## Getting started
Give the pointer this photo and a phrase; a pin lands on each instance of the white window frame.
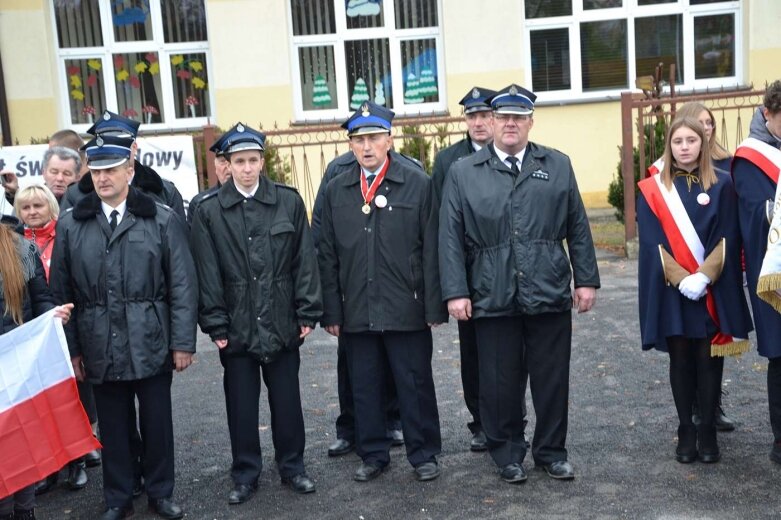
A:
(338, 39)
(110, 47)
(629, 12)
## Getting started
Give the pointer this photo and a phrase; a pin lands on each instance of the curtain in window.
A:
(411, 14)
(78, 23)
(86, 96)
(318, 77)
(183, 21)
(137, 79)
(313, 17)
(368, 72)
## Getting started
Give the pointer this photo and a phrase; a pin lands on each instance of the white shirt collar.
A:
(503, 156)
(248, 194)
(476, 147)
(108, 209)
(367, 173)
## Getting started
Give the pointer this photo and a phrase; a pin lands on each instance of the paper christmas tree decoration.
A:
(428, 84)
(412, 92)
(320, 95)
(360, 94)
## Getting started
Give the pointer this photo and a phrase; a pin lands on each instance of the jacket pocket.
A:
(285, 324)
(551, 274)
(282, 242)
(416, 277)
(491, 281)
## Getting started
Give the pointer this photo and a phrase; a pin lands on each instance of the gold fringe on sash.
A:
(767, 288)
(734, 348)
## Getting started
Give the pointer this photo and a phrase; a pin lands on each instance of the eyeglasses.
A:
(516, 118)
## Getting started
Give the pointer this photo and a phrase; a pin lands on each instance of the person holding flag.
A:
(690, 288)
(24, 294)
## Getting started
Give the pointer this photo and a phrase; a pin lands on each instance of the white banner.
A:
(171, 156)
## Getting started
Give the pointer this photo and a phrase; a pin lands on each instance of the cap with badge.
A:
(107, 151)
(513, 100)
(241, 138)
(218, 146)
(370, 118)
(477, 100)
(113, 124)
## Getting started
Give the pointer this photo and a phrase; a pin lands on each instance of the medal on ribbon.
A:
(368, 193)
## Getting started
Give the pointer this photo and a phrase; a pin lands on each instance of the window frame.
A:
(111, 47)
(631, 11)
(341, 35)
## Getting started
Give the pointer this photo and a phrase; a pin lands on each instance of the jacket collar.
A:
(138, 204)
(230, 196)
(393, 174)
(144, 178)
(44, 232)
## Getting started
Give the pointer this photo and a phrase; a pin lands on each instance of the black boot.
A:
(686, 452)
(722, 422)
(77, 474)
(46, 485)
(27, 514)
(708, 445)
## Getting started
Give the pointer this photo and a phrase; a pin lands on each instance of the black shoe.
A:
(686, 452)
(775, 452)
(138, 486)
(367, 472)
(18, 514)
(340, 447)
(117, 513)
(77, 475)
(479, 442)
(427, 471)
(513, 473)
(722, 422)
(166, 508)
(92, 459)
(560, 470)
(708, 444)
(300, 483)
(46, 485)
(241, 493)
(396, 437)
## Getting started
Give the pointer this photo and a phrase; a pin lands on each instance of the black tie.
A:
(370, 180)
(113, 220)
(513, 160)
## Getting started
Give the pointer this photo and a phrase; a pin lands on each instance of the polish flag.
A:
(42, 423)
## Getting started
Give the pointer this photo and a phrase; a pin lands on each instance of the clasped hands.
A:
(694, 286)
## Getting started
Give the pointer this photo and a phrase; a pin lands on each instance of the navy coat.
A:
(664, 311)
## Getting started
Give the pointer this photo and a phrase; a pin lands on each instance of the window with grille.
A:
(144, 59)
(596, 48)
(345, 52)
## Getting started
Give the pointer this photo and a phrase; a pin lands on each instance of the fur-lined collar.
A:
(144, 178)
(138, 204)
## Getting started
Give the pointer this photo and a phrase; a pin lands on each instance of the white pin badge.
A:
(380, 201)
(703, 199)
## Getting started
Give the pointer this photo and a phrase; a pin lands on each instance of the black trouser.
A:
(22, 500)
(241, 382)
(694, 374)
(345, 423)
(470, 375)
(407, 356)
(541, 343)
(774, 396)
(87, 399)
(113, 399)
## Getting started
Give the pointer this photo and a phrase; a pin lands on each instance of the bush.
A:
(277, 168)
(615, 191)
(415, 145)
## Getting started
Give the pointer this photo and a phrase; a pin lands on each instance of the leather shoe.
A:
(46, 485)
(138, 486)
(560, 470)
(396, 437)
(77, 475)
(166, 508)
(513, 473)
(427, 471)
(117, 513)
(300, 483)
(241, 493)
(367, 472)
(340, 447)
(92, 459)
(479, 442)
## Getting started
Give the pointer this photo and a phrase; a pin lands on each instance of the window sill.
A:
(339, 120)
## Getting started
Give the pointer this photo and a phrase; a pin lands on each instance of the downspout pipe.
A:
(5, 123)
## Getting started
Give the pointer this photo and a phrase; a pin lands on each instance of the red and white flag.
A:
(43, 425)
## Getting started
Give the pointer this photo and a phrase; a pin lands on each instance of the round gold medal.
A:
(366, 209)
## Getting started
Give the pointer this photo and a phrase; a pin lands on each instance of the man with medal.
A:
(506, 211)
(381, 294)
(755, 171)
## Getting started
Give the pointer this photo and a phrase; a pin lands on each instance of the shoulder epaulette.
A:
(281, 185)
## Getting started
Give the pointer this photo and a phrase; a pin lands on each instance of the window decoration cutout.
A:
(85, 89)
(321, 96)
(412, 93)
(362, 7)
(360, 94)
(189, 78)
(379, 94)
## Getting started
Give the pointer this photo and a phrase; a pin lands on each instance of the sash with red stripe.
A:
(655, 168)
(686, 248)
(762, 155)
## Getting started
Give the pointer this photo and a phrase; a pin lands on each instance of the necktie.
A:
(370, 180)
(513, 160)
(113, 220)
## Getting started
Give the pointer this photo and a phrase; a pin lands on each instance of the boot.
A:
(708, 445)
(77, 474)
(686, 452)
(27, 514)
(46, 485)
(722, 422)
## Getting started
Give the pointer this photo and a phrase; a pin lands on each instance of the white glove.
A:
(694, 286)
